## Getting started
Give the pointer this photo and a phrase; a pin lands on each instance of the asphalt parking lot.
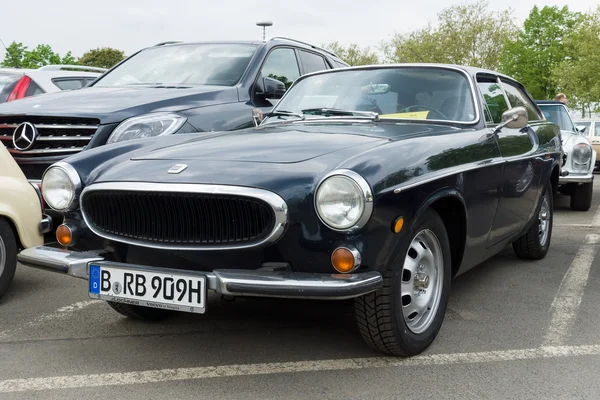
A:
(514, 329)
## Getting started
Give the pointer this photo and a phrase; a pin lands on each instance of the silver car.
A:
(577, 174)
(17, 83)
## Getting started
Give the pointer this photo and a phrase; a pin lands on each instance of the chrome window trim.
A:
(75, 180)
(278, 205)
(402, 66)
(367, 193)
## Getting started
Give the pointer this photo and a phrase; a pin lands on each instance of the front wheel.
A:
(8, 256)
(404, 317)
(534, 244)
(581, 198)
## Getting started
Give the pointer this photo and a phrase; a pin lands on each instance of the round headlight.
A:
(344, 201)
(582, 153)
(60, 186)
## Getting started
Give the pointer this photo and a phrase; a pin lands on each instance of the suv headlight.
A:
(61, 186)
(149, 125)
(344, 200)
(581, 155)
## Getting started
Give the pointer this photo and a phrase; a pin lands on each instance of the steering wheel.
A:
(425, 107)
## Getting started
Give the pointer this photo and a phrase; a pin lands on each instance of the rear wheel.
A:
(534, 244)
(581, 198)
(140, 312)
(8, 256)
(404, 317)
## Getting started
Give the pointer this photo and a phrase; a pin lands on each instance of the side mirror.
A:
(273, 89)
(581, 129)
(514, 118)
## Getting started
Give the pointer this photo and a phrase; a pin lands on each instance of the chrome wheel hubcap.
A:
(544, 221)
(422, 277)
(2, 256)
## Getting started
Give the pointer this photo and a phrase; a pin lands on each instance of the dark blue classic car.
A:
(377, 184)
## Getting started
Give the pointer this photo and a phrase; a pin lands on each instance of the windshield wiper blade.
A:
(284, 113)
(336, 111)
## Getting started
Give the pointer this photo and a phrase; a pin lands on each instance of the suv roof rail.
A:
(307, 44)
(58, 67)
(167, 42)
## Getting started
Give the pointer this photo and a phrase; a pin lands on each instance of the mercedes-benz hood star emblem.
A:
(24, 136)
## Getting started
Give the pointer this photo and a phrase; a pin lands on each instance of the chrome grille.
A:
(57, 136)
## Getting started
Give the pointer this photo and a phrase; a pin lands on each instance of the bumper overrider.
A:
(232, 282)
(573, 177)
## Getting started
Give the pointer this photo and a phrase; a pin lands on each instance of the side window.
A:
(312, 62)
(494, 99)
(68, 84)
(281, 64)
(33, 89)
(516, 97)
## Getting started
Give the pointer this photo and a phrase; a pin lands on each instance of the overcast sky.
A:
(133, 24)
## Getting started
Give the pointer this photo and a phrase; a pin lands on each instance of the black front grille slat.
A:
(181, 219)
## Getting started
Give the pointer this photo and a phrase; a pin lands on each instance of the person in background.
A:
(561, 97)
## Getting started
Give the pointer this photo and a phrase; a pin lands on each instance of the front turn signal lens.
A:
(398, 225)
(64, 235)
(345, 260)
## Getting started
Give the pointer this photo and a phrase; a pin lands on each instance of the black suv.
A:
(172, 87)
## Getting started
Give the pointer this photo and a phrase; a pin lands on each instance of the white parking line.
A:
(178, 374)
(570, 292)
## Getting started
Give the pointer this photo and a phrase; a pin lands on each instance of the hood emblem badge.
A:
(177, 168)
(24, 136)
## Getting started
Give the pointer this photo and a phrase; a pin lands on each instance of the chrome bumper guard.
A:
(232, 282)
(573, 178)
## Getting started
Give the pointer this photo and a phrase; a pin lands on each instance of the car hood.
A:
(112, 105)
(569, 139)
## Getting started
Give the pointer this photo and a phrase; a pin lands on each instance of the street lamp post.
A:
(264, 25)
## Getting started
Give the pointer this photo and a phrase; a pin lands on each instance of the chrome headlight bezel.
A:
(176, 122)
(72, 180)
(363, 191)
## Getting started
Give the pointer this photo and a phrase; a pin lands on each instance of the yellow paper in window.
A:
(407, 115)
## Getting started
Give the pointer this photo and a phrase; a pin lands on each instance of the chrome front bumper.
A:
(232, 282)
(576, 178)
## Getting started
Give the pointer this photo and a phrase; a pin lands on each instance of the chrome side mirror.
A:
(514, 118)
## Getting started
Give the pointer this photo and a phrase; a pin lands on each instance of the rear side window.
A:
(494, 99)
(33, 89)
(312, 62)
(68, 84)
(518, 98)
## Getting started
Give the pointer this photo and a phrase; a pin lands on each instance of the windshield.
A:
(558, 114)
(421, 93)
(182, 65)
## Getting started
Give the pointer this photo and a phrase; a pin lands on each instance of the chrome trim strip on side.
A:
(234, 282)
(278, 205)
(62, 138)
(448, 172)
(47, 151)
(73, 177)
(367, 196)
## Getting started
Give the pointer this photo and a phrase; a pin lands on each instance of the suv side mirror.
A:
(272, 88)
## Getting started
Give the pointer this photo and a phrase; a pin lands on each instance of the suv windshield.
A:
(421, 93)
(182, 65)
(558, 114)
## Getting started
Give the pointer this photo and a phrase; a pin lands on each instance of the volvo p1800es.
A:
(377, 184)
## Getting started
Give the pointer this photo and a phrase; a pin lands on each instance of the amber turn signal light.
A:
(64, 235)
(345, 260)
(398, 224)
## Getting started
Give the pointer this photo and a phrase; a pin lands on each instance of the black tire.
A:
(379, 315)
(140, 312)
(581, 198)
(530, 246)
(8, 256)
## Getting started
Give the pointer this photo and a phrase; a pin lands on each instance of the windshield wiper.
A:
(336, 111)
(284, 113)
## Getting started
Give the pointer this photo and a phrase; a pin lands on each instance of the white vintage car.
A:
(577, 172)
(20, 216)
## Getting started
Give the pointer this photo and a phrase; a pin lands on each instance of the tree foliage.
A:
(353, 54)
(467, 34)
(578, 74)
(18, 56)
(539, 48)
(105, 57)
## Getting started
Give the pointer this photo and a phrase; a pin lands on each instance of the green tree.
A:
(104, 57)
(353, 54)
(466, 34)
(18, 56)
(577, 75)
(539, 48)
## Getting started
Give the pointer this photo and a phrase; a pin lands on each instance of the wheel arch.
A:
(450, 205)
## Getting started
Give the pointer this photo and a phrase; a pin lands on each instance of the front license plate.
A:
(178, 291)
